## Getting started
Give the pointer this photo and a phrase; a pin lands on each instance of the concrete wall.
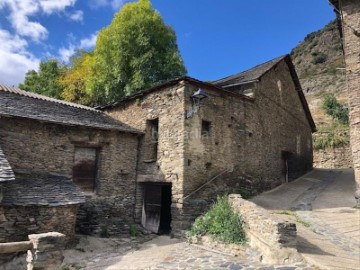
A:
(39, 147)
(350, 15)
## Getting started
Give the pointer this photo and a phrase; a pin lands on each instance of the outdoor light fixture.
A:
(196, 98)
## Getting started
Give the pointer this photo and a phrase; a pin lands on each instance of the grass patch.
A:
(357, 206)
(331, 136)
(295, 215)
(133, 230)
(104, 232)
(220, 222)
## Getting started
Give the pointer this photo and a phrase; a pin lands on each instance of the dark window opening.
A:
(85, 168)
(205, 128)
(153, 139)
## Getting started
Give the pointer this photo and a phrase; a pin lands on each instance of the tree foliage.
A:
(335, 109)
(74, 79)
(136, 51)
(46, 80)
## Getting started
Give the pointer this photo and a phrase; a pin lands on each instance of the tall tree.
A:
(74, 79)
(136, 51)
(46, 80)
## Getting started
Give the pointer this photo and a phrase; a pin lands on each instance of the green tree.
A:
(74, 79)
(46, 80)
(335, 109)
(136, 51)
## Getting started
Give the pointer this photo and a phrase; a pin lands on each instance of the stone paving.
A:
(172, 254)
(191, 257)
(328, 233)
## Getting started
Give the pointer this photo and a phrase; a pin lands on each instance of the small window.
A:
(205, 128)
(85, 168)
(152, 139)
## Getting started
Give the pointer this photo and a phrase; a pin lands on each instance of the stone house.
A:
(47, 142)
(348, 12)
(159, 157)
(249, 131)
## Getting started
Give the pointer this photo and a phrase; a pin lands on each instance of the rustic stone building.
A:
(47, 142)
(252, 131)
(348, 14)
(159, 157)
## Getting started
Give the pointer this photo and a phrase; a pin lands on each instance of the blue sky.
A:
(216, 38)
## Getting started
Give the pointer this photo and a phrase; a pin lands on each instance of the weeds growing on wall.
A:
(331, 136)
(220, 222)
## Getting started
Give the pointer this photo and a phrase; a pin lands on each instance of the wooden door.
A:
(152, 208)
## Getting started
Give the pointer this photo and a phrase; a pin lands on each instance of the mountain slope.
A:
(319, 63)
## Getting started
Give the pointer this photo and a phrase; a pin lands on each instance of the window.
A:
(205, 128)
(85, 168)
(152, 139)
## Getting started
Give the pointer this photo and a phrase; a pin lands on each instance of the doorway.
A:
(156, 213)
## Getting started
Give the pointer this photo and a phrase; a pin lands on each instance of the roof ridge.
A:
(24, 93)
(277, 59)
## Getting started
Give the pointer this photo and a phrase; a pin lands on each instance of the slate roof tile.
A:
(18, 103)
(44, 190)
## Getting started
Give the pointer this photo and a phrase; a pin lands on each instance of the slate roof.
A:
(254, 74)
(170, 83)
(250, 75)
(18, 103)
(6, 172)
(41, 190)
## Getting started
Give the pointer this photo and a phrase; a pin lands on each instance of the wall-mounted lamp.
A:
(196, 98)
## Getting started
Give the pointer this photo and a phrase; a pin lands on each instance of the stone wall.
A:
(49, 148)
(333, 158)
(17, 222)
(275, 240)
(350, 16)
(246, 141)
(168, 107)
(242, 147)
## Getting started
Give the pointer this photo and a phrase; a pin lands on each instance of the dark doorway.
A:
(156, 216)
(85, 168)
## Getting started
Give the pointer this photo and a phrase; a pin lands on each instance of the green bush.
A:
(104, 233)
(220, 222)
(336, 110)
(319, 58)
(133, 230)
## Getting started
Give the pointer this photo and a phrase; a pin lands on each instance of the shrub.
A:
(319, 58)
(220, 222)
(104, 233)
(133, 230)
(331, 136)
(336, 110)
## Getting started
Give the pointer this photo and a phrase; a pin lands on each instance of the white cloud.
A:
(89, 42)
(15, 59)
(77, 16)
(22, 13)
(51, 6)
(115, 4)
(86, 43)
